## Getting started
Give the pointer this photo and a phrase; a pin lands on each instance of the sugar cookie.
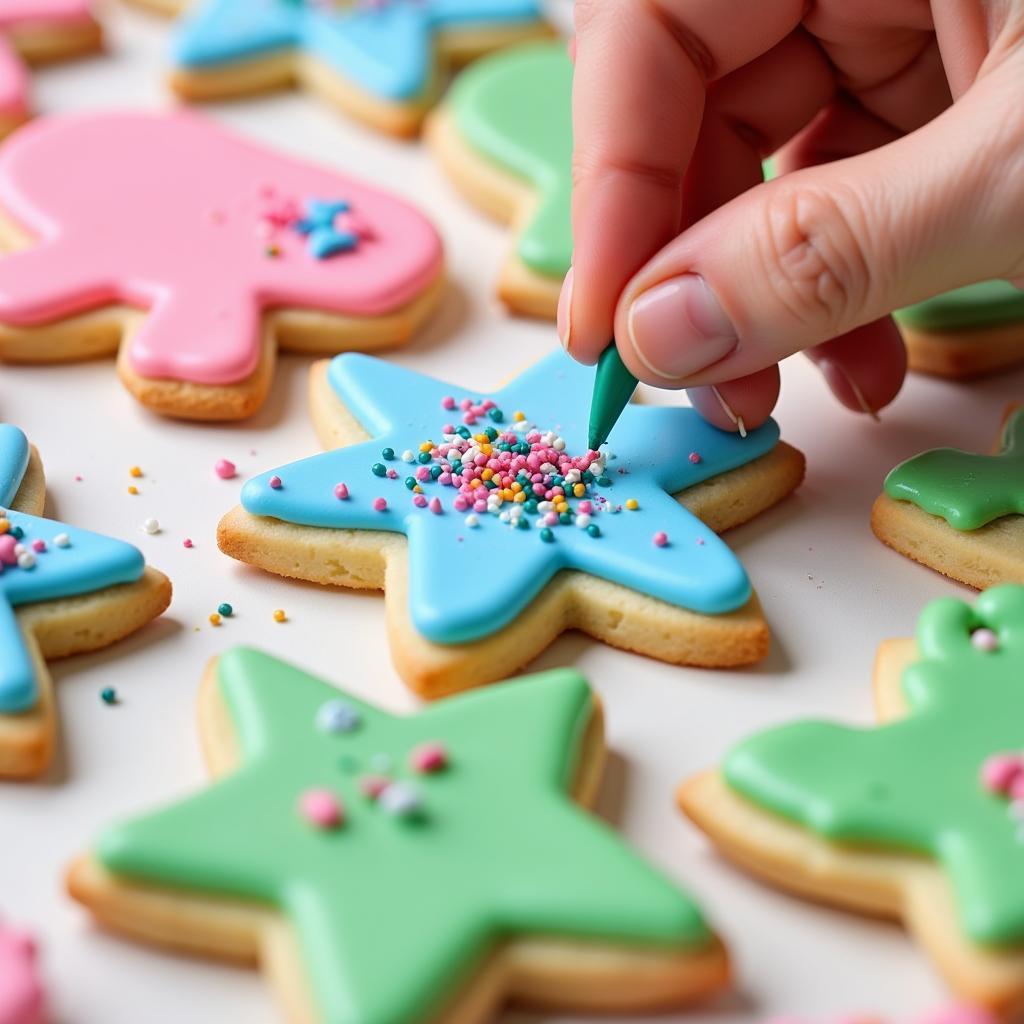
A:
(383, 62)
(504, 136)
(967, 332)
(196, 254)
(484, 567)
(385, 869)
(34, 32)
(62, 591)
(959, 513)
(917, 819)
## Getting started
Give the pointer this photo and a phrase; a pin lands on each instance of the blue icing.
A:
(324, 239)
(90, 562)
(454, 596)
(387, 50)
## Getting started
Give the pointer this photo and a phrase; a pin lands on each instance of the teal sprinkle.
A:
(435, 472)
(17, 532)
(379, 469)
(547, 535)
(565, 518)
(523, 523)
(490, 485)
(226, 610)
(463, 432)
(423, 458)
(497, 415)
(108, 695)
(491, 434)
(504, 447)
(387, 454)
(594, 530)
(410, 482)
(557, 481)
(587, 477)
(530, 506)
(604, 481)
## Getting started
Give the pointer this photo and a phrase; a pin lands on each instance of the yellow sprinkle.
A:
(518, 416)
(214, 619)
(507, 493)
(579, 490)
(632, 504)
(486, 449)
(132, 489)
(487, 474)
(476, 483)
(481, 438)
(5, 525)
(135, 471)
(562, 506)
(279, 615)
(426, 446)
(417, 489)
(521, 496)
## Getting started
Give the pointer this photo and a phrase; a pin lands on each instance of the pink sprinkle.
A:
(435, 506)
(469, 419)
(275, 482)
(660, 539)
(39, 545)
(320, 807)
(78, 478)
(187, 542)
(586, 506)
(700, 542)
(373, 785)
(448, 403)
(422, 474)
(225, 469)
(1002, 771)
(420, 500)
(428, 757)
(461, 504)
(984, 639)
(392, 474)
(7, 546)
(695, 457)
(341, 492)
(379, 504)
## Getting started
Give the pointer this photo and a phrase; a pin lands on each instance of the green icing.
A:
(913, 785)
(392, 914)
(967, 490)
(986, 304)
(515, 108)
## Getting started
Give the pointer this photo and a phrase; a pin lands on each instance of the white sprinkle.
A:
(504, 516)
(583, 520)
(400, 799)
(546, 506)
(407, 456)
(548, 468)
(559, 444)
(26, 560)
(472, 521)
(20, 549)
(151, 526)
(337, 716)
(573, 476)
(62, 540)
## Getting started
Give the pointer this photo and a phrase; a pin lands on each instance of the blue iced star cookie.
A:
(43, 560)
(384, 48)
(477, 564)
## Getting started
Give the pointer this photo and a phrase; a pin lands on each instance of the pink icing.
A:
(13, 82)
(14, 13)
(169, 213)
(21, 993)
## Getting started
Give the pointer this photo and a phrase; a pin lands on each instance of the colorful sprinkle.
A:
(132, 489)
(186, 543)
(62, 540)
(151, 526)
(39, 546)
(321, 808)
(279, 615)
(660, 539)
(695, 457)
(135, 471)
(371, 786)
(214, 619)
(428, 758)
(387, 454)
(984, 640)
(632, 504)
(400, 799)
(341, 492)
(408, 456)
(275, 483)
(379, 505)
(1001, 772)
(378, 469)
(472, 521)
(225, 609)
(108, 695)
(225, 469)
(435, 506)
(338, 716)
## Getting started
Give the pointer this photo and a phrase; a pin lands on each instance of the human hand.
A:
(890, 191)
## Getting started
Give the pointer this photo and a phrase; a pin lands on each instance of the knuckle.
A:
(815, 256)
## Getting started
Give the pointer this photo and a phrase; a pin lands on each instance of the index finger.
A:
(642, 67)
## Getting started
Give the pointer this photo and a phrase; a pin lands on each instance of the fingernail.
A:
(737, 421)
(679, 328)
(565, 312)
(831, 368)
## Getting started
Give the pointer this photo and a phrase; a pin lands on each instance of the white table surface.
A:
(831, 591)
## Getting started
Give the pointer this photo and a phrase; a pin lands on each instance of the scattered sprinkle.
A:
(321, 808)
(279, 615)
(400, 799)
(214, 619)
(408, 456)
(132, 489)
(660, 539)
(695, 457)
(379, 505)
(341, 492)
(472, 521)
(225, 609)
(39, 546)
(187, 543)
(275, 482)
(378, 469)
(632, 504)
(428, 758)
(371, 786)
(62, 540)
(151, 526)
(225, 469)
(387, 454)
(135, 471)
(984, 639)
(108, 695)
(338, 716)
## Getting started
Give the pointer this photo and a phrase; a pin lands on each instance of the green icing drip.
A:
(914, 785)
(967, 490)
(515, 108)
(986, 304)
(391, 914)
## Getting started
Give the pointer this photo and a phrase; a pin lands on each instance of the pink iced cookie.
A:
(229, 248)
(21, 992)
(38, 30)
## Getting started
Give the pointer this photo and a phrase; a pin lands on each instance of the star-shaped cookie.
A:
(35, 32)
(504, 136)
(903, 820)
(477, 587)
(381, 61)
(63, 591)
(197, 290)
(960, 513)
(387, 869)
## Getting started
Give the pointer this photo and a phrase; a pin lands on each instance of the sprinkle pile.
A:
(524, 476)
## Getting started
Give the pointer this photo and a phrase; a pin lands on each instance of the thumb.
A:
(822, 251)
